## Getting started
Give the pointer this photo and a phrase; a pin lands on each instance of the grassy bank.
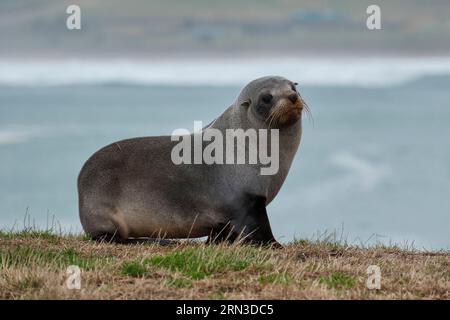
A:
(33, 266)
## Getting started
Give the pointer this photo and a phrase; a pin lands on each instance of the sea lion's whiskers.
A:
(307, 111)
(270, 119)
(283, 111)
(276, 114)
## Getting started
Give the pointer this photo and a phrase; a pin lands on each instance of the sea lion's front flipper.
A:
(251, 223)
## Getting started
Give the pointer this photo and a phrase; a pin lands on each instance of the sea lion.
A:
(132, 189)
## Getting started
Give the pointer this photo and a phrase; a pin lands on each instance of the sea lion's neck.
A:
(236, 117)
(232, 118)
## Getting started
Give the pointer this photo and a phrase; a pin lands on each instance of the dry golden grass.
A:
(33, 266)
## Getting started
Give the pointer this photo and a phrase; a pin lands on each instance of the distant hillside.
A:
(170, 27)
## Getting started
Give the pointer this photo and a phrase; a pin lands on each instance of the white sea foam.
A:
(356, 174)
(364, 173)
(15, 134)
(13, 137)
(365, 72)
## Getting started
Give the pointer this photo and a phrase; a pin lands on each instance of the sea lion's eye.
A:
(267, 98)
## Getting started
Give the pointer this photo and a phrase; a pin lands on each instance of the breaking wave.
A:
(361, 72)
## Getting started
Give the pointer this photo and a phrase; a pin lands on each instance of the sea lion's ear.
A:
(246, 103)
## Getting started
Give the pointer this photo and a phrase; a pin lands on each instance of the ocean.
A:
(373, 165)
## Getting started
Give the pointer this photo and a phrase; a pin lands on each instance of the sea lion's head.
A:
(274, 100)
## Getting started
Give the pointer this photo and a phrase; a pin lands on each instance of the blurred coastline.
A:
(143, 30)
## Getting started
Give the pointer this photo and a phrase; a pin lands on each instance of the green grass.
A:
(31, 233)
(334, 240)
(300, 242)
(179, 283)
(34, 267)
(28, 256)
(338, 280)
(199, 263)
(134, 269)
(48, 235)
(276, 278)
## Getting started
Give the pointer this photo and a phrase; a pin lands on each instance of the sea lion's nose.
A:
(293, 97)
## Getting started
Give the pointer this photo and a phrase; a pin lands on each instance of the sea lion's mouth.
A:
(286, 113)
